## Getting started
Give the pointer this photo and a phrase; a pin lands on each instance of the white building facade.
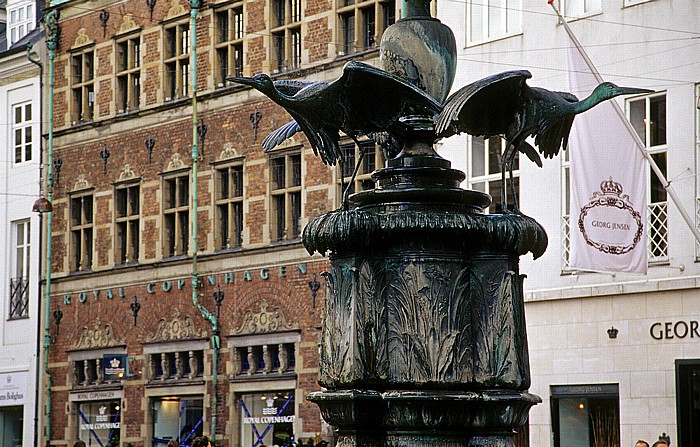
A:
(20, 133)
(615, 357)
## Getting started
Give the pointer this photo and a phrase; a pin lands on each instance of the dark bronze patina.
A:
(424, 340)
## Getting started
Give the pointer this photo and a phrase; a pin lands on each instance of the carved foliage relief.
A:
(264, 321)
(415, 321)
(98, 337)
(177, 328)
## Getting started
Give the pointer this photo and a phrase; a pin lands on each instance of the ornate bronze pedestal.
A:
(424, 338)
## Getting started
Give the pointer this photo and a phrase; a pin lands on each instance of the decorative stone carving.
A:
(152, 368)
(252, 362)
(179, 366)
(228, 152)
(81, 183)
(99, 371)
(82, 38)
(164, 366)
(264, 322)
(127, 23)
(175, 163)
(97, 337)
(176, 9)
(283, 358)
(267, 360)
(194, 365)
(237, 362)
(86, 372)
(179, 328)
(127, 173)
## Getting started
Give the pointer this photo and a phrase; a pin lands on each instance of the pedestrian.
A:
(201, 441)
(639, 443)
(173, 443)
(660, 443)
(79, 443)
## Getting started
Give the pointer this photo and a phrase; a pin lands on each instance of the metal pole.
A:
(215, 342)
(640, 144)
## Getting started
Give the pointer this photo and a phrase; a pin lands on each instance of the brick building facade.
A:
(122, 219)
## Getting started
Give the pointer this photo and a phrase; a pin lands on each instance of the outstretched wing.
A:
(279, 135)
(372, 100)
(554, 133)
(485, 107)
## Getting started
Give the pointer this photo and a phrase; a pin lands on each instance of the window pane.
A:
(496, 13)
(476, 21)
(478, 157)
(637, 118)
(658, 193)
(657, 126)
(495, 156)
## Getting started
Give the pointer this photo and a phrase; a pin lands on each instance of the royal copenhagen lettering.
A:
(268, 420)
(168, 285)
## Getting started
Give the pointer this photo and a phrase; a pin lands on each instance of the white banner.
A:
(608, 222)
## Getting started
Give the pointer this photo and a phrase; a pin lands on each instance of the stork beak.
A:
(242, 80)
(632, 91)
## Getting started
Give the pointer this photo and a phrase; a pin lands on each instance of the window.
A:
(277, 406)
(285, 197)
(286, 34)
(178, 418)
(83, 86)
(81, 229)
(648, 117)
(229, 43)
(492, 19)
(635, 2)
(176, 213)
(22, 132)
(485, 169)
(177, 61)
(99, 422)
(128, 74)
(565, 210)
(13, 422)
(127, 213)
(19, 282)
(229, 207)
(371, 18)
(175, 366)
(585, 415)
(263, 360)
(579, 8)
(21, 21)
(373, 159)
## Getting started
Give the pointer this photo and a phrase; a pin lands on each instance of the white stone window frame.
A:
(253, 340)
(26, 127)
(173, 347)
(21, 269)
(355, 13)
(576, 9)
(508, 20)
(92, 355)
(21, 19)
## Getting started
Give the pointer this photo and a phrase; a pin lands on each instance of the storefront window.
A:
(177, 418)
(99, 423)
(11, 423)
(586, 415)
(267, 418)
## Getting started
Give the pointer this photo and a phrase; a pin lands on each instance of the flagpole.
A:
(640, 144)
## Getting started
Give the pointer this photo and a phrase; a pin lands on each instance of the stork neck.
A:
(588, 103)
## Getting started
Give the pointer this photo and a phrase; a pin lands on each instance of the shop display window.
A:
(267, 419)
(99, 423)
(179, 418)
(586, 415)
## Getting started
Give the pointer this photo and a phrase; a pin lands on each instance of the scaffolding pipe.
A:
(215, 341)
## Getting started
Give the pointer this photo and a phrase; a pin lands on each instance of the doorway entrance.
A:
(688, 402)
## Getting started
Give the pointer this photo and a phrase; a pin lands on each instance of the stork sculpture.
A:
(503, 104)
(322, 110)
